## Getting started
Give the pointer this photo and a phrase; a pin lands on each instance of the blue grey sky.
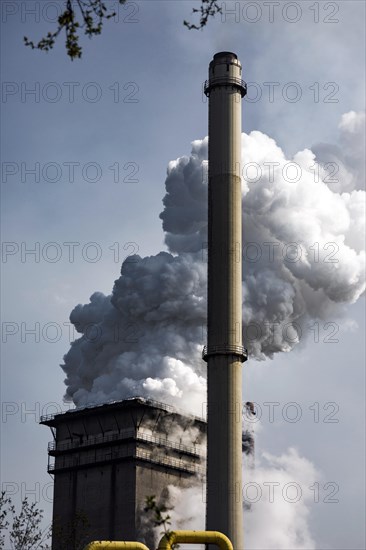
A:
(138, 104)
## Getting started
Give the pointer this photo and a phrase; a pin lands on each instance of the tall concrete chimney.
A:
(224, 352)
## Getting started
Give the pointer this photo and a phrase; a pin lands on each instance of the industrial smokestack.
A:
(224, 352)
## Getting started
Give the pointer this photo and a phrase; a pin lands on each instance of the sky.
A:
(99, 134)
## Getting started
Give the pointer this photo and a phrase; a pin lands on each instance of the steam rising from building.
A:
(304, 260)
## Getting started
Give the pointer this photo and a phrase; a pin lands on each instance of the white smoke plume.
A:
(304, 260)
(145, 338)
(277, 491)
(349, 156)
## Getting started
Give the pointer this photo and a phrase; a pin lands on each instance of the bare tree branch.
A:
(208, 8)
(92, 14)
(89, 16)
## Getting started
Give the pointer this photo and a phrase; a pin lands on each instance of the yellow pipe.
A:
(115, 545)
(195, 537)
(166, 543)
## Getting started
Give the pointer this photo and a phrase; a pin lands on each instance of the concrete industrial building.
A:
(106, 459)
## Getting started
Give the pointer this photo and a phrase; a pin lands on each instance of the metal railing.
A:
(225, 81)
(63, 463)
(142, 400)
(127, 434)
(172, 462)
(225, 349)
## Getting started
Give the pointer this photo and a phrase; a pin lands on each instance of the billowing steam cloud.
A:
(304, 259)
(277, 491)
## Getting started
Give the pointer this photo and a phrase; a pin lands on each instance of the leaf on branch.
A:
(208, 8)
(90, 15)
(84, 14)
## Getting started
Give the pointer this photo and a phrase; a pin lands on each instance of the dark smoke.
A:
(304, 258)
